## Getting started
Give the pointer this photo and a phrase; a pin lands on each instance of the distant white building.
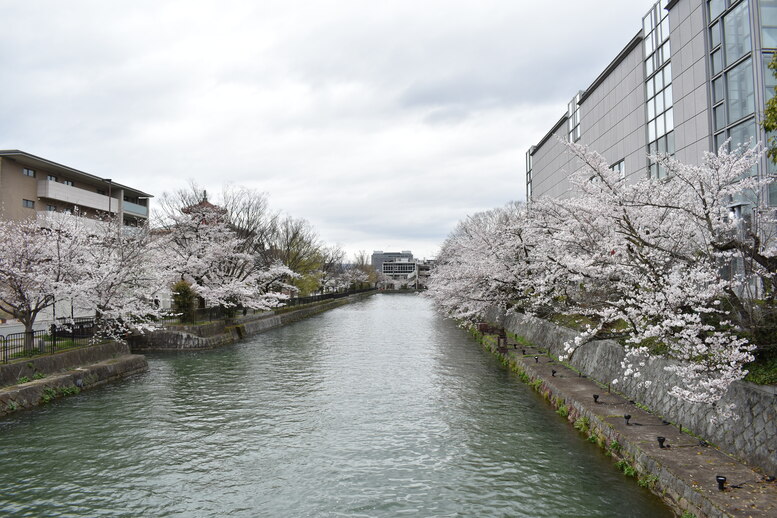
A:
(404, 272)
(379, 257)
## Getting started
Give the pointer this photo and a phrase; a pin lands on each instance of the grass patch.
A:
(582, 425)
(763, 371)
(647, 481)
(626, 468)
(578, 322)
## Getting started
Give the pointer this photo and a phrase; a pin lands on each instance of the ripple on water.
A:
(379, 408)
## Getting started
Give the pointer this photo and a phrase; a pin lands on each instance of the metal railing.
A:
(58, 337)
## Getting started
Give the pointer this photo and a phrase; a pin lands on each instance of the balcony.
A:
(134, 209)
(74, 195)
(93, 226)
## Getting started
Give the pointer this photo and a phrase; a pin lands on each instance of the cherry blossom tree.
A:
(202, 249)
(124, 279)
(39, 261)
(671, 267)
(484, 263)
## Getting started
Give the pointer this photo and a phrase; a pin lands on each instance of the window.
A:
(768, 24)
(573, 118)
(620, 168)
(28, 172)
(67, 182)
(716, 7)
(51, 208)
(659, 111)
(740, 91)
(51, 178)
(736, 33)
(28, 204)
(733, 86)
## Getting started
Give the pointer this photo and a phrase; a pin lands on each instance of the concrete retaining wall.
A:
(182, 338)
(65, 373)
(10, 373)
(752, 438)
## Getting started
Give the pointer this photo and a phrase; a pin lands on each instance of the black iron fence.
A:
(57, 337)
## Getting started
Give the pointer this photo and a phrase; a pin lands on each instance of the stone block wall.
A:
(752, 437)
(10, 373)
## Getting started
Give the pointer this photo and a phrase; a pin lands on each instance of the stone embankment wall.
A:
(180, 338)
(752, 437)
(64, 374)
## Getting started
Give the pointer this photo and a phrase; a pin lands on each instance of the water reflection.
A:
(378, 408)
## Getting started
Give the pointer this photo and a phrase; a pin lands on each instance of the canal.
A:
(378, 408)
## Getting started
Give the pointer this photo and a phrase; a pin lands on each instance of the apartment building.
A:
(694, 75)
(31, 187)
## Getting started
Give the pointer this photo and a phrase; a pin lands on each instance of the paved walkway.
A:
(685, 469)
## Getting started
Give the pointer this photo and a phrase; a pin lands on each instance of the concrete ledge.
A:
(42, 391)
(27, 367)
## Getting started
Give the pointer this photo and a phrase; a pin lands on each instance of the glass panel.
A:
(649, 67)
(651, 109)
(668, 96)
(768, 24)
(719, 114)
(770, 81)
(646, 26)
(661, 145)
(772, 194)
(659, 103)
(652, 148)
(650, 90)
(660, 130)
(771, 167)
(659, 80)
(669, 119)
(670, 142)
(740, 93)
(668, 74)
(664, 34)
(651, 130)
(715, 35)
(717, 62)
(649, 48)
(742, 133)
(736, 33)
(654, 170)
(769, 37)
(666, 52)
(720, 138)
(717, 90)
(716, 7)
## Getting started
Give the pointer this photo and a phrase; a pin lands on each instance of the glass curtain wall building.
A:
(693, 76)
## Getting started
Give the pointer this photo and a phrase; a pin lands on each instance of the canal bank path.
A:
(683, 472)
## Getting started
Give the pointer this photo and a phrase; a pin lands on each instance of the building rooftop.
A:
(38, 162)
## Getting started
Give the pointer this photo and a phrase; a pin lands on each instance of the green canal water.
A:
(379, 408)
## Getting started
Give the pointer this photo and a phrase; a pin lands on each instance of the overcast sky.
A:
(382, 122)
